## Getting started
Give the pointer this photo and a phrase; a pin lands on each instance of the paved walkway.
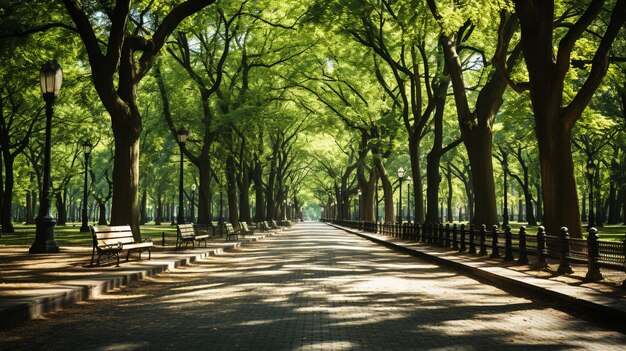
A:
(311, 288)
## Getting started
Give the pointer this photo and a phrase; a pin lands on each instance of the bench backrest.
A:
(229, 228)
(274, 224)
(185, 231)
(110, 235)
(244, 226)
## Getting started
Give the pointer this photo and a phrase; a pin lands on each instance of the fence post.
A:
(441, 235)
(418, 232)
(455, 242)
(463, 247)
(447, 235)
(495, 250)
(523, 255)
(541, 249)
(483, 239)
(593, 255)
(472, 245)
(508, 245)
(624, 247)
(430, 233)
(564, 266)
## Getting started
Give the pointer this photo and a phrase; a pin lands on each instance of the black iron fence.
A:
(505, 245)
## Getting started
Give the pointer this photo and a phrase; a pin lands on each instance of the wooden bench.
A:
(243, 227)
(186, 233)
(111, 240)
(231, 232)
(274, 225)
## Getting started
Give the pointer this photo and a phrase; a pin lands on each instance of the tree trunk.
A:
(231, 189)
(416, 174)
(613, 210)
(205, 193)
(257, 177)
(125, 207)
(559, 191)
(102, 216)
(449, 179)
(159, 210)
(30, 208)
(244, 196)
(478, 143)
(7, 198)
(433, 160)
(143, 207)
(390, 216)
(61, 209)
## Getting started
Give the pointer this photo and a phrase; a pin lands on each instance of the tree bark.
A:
(7, 195)
(159, 210)
(61, 209)
(231, 190)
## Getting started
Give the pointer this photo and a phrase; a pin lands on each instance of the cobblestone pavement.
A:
(312, 288)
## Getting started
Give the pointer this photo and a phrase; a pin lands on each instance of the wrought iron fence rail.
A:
(593, 252)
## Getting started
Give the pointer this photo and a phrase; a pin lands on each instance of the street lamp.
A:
(193, 196)
(408, 198)
(51, 78)
(87, 150)
(591, 170)
(505, 215)
(181, 137)
(285, 210)
(400, 178)
(360, 202)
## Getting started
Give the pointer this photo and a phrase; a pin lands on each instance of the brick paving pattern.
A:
(311, 288)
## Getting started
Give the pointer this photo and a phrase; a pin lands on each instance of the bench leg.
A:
(128, 255)
(149, 254)
(93, 252)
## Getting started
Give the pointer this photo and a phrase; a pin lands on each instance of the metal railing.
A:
(505, 244)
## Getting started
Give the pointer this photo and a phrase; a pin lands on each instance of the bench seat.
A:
(111, 240)
(186, 233)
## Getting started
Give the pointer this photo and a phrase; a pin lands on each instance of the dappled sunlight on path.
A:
(311, 288)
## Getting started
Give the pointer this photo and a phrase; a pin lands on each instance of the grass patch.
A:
(70, 235)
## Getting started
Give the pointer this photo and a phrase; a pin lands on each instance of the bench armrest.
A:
(117, 246)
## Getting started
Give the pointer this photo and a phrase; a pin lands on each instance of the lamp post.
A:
(408, 198)
(87, 150)
(181, 137)
(376, 200)
(591, 170)
(400, 178)
(360, 202)
(193, 196)
(51, 78)
(172, 210)
(505, 215)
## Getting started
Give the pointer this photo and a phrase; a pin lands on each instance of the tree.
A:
(118, 63)
(556, 114)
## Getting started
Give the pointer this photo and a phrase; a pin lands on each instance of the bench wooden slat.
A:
(187, 233)
(111, 240)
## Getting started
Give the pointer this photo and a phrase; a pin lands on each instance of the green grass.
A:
(69, 235)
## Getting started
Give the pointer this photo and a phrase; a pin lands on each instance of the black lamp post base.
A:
(44, 237)
(44, 247)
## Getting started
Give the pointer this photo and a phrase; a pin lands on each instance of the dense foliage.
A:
(303, 109)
